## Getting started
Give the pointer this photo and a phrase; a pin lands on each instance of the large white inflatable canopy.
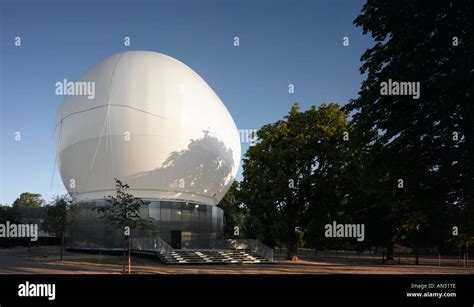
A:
(155, 124)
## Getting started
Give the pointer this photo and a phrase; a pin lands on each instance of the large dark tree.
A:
(426, 142)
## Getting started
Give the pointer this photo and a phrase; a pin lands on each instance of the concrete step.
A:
(214, 257)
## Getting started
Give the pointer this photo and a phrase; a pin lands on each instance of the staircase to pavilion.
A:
(228, 252)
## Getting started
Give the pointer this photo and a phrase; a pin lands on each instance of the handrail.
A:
(264, 251)
(254, 245)
(155, 244)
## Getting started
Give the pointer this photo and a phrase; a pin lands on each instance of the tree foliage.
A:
(293, 172)
(10, 214)
(123, 209)
(234, 214)
(58, 215)
(427, 142)
(29, 199)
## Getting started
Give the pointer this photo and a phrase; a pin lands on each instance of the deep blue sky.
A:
(281, 42)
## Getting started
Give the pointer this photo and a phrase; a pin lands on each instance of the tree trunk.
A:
(124, 255)
(389, 251)
(291, 251)
(62, 244)
(129, 255)
(291, 246)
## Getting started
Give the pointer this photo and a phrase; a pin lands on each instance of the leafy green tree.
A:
(287, 173)
(427, 142)
(123, 211)
(330, 177)
(29, 199)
